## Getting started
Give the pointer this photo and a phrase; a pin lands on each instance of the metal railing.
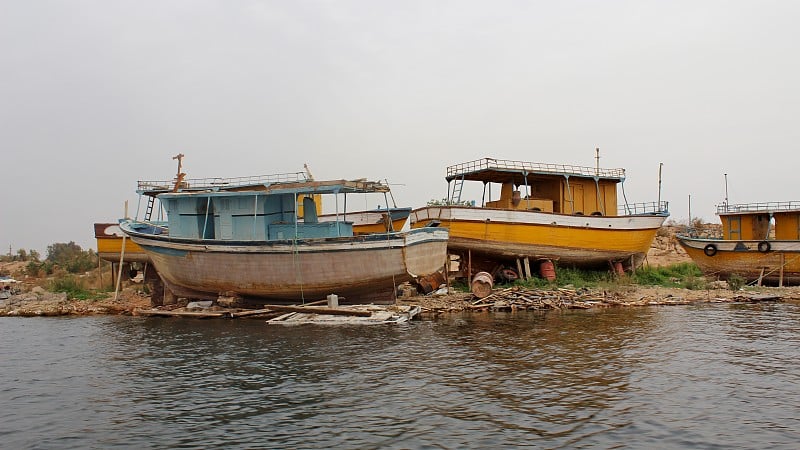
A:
(531, 167)
(765, 207)
(645, 208)
(221, 183)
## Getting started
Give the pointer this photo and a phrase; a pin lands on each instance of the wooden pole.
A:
(100, 271)
(469, 265)
(318, 310)
(783, 263)
(519, 269)
(121, 257)
(527, 264)
(119, 274)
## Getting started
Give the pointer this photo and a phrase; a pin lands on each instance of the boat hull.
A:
(360, 269)
(780, 263)
(583, 241)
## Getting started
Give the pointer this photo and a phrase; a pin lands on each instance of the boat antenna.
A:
(597, 160)
(180, 175)
(308, 172)
(726, 191)
(660, 165)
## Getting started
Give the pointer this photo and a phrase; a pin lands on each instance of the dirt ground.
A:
(33, 300)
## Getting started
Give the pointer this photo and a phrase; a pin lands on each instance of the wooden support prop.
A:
(469, 264)
(519, 270)
(783, 263)
(527, 265)
(761, 276)
(319, 310)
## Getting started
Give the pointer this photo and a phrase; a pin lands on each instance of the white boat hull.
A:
(358, 268)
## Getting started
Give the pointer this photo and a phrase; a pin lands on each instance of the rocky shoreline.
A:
(39, 303)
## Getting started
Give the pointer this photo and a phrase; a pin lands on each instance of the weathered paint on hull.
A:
(743, 258)
(575, 240)
(355, 268)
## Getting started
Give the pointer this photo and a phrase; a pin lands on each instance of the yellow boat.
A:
(760, 242)
(544, 212)
(110, 243)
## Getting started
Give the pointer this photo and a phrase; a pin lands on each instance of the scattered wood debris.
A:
(519, 298)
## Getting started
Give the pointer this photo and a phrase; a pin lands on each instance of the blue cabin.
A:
(261, 212)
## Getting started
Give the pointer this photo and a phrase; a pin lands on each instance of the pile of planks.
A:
(518, 298)
(515, 298)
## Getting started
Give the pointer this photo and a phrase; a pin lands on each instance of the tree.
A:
(71, 257)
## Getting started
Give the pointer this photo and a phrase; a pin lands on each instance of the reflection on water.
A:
(706, 376)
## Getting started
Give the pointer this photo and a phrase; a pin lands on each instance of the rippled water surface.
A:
(714, 376)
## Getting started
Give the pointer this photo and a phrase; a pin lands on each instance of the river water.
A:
(710, 376)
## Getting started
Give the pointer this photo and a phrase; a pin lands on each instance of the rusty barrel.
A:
(547, 270)
(482, 284)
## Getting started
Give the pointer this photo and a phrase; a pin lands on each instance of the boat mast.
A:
(658, 205)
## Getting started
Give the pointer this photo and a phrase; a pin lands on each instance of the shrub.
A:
(735, 281)
(686, 275)
(71, 285)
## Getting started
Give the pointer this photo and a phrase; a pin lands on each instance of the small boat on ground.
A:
(760, 242)
(260, 239)
(544, 212)
(374, 221)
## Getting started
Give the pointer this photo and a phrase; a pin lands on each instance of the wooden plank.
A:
(527, 266)
(519, 270)
(199, 315)
(252, 312)
(318, 310)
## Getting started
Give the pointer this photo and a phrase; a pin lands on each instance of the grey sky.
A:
(97, 94)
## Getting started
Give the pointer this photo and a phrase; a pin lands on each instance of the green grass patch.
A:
(74, 287)
(683, 275)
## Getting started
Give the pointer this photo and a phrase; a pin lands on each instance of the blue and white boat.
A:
(260, 238)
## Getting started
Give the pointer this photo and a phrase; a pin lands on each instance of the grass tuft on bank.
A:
(74, 287)
(682, 275)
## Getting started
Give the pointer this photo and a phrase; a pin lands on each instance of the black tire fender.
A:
(710, 250)
(764, 247)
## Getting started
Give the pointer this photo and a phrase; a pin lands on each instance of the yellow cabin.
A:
(541, 187)
(760, 221)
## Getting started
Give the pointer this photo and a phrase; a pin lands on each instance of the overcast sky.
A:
(97, 94)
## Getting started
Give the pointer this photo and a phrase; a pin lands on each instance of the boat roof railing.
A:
(759, 207)
(481, 169)
(203, 184)
(358, 186)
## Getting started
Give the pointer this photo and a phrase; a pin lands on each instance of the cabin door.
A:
(577, 197)
(734, 228)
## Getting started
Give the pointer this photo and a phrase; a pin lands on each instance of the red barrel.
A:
(547, 270)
